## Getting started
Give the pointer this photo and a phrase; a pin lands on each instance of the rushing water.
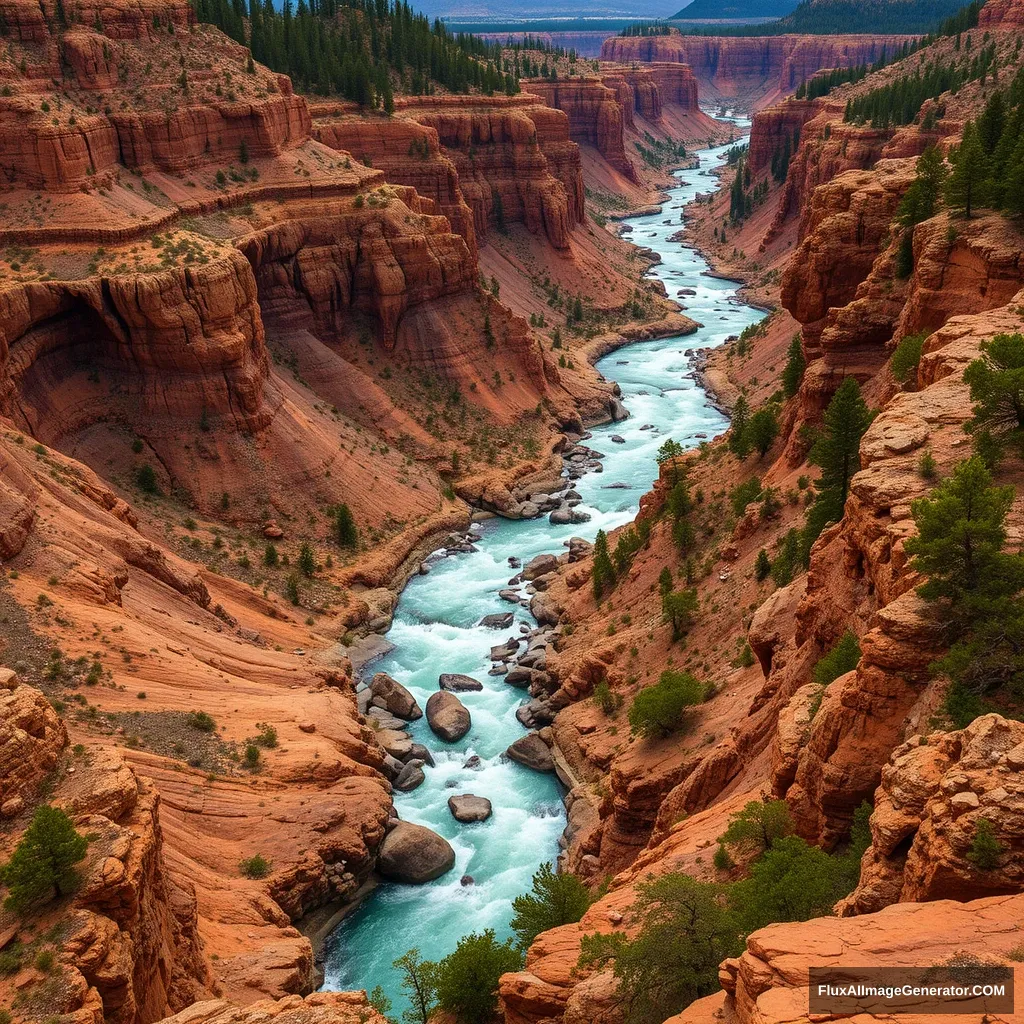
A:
(435, 631)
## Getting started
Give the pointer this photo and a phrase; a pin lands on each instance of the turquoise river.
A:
(435, 631)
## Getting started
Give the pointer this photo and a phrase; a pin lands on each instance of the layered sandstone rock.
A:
(768, 983)
(319, 1008)
(934, 792)
(595, 116)
(132, 950)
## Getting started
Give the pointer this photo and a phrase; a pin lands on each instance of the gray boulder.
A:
(468, 808)
(538, 566)
(411, 853)
(456, 682)
(499, 620)
(410, 776)
(447, 716)
(530, 750)
(393, 697)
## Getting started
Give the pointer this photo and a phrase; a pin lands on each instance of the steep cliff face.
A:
(749, 69)
(130, 945)
(515, 163)
(595, 116)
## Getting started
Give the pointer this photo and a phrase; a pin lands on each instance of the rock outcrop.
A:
(934, 792)
(595, 116)
(768, 983)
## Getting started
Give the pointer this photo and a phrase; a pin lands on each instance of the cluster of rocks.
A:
(554, 498)
(455, 544)
(389, 707)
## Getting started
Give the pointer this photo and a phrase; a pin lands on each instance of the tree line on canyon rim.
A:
(364, 49)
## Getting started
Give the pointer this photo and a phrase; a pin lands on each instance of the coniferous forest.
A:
(361, 49)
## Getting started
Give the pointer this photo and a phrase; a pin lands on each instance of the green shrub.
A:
(253, 757)
(45, 959)
(926, 467)
(721, 860)
(256, 866)
(267, 735)
(603, 697)
(985, 848)
(906, 356)
(146, 480)
(762, 566)
(658, 710)
(743, 494)
(841, 659)
(202, 721)
(345, 532)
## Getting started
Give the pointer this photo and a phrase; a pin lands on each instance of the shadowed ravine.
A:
(435, 631)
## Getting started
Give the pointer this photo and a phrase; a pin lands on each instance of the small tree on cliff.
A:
(557, 898)
(793, 373)
(959, 549)
(965, 187)
(996, 380)
(658, 710)
(467, 979)
(685, 931)
(762, 430)
(602, 571)
(739, 443)
(758, 827)
(345, 532)
(837, 449)
(419, 982)
(42, 865)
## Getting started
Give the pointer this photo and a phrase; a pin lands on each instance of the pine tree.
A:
(762, 429)
(345, 532)
(602, 570)
(739, 443)
(965, 187)
(42, 865)
(837, 449)
(793, 373)
(763, 565)
(996, 381)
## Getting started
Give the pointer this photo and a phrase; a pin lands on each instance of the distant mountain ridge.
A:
(826, 17)
(712, 10)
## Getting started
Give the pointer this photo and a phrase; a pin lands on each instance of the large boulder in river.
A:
(393, 697)
(456, 682)
(447, 716)
(468, 808)
(539, 566)
(414, 854)
(530, 750)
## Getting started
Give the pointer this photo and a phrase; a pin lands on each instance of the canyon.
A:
(752, 71)
(229, 311)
